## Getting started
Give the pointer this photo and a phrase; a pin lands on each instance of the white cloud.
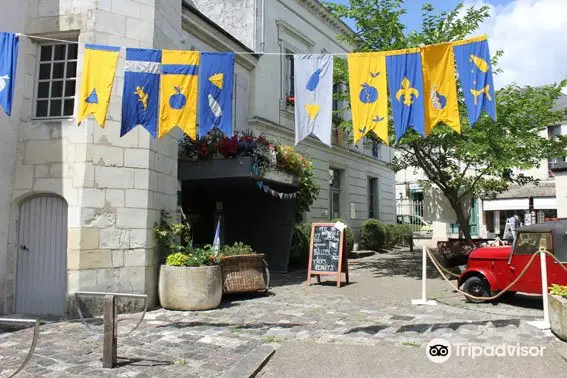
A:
(533, 36)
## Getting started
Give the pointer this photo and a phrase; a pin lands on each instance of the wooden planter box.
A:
(245, 273)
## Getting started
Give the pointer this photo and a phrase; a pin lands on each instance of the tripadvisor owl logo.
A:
(438, 350)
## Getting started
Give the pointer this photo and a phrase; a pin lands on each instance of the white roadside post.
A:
(423, 300)
(543, 324)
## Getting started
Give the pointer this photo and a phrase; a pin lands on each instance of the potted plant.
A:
(558, 310)
(243, 269)
(191, 278)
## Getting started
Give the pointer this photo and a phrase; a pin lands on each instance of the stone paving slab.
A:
(374, 309)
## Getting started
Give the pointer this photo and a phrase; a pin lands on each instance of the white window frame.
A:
(64, 79)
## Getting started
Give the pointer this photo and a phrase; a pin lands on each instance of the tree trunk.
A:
(462, 218)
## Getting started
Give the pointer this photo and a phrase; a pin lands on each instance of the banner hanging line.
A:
(166, 89)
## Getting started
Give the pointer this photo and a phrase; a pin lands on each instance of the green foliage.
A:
(299, 256)
(392, 237)
(481, 161)
(175, 244)
(177, 259)
(397, 234)
(558, 290)
(372, 235)
(293, 162)
(238, 248)
(349, 233)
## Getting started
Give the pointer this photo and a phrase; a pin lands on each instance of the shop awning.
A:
(506, 204)
(545, 203)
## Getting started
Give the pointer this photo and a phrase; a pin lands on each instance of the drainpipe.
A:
(263, 30)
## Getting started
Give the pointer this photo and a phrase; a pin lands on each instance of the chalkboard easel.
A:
(326, 253)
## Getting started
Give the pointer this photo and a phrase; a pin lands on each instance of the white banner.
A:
(313, 97)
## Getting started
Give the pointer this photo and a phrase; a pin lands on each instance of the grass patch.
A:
(411, 344)
(272, 339)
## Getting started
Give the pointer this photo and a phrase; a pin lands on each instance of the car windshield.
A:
(530, 242)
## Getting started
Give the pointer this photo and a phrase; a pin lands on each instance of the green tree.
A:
(480, 161)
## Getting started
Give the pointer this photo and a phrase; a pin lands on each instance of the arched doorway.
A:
(41, 271)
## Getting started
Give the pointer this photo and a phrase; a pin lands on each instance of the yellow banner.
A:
(96, 83)
(178, 94)
(368, 94)
(440, 87)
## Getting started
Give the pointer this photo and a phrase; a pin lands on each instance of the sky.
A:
(532, 33)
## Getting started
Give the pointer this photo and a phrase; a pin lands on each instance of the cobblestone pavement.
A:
(374, 308)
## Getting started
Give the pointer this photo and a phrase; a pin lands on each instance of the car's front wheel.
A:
(478, 287)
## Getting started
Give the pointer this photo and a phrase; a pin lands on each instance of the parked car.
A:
(491, 269)
(420, 227)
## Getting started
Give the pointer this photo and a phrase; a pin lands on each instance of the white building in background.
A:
(79, 203)
(488, 216)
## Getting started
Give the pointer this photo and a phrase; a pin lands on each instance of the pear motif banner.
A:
(368, 94)
(313, 97)
(475, 75)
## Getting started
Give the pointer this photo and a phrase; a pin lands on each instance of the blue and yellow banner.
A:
(9, 43)
(216, 86)
(440, 87)
(178, 94)
(405, 82)
(99, 68)
(140, 98)
(475, 73)
(368, 94)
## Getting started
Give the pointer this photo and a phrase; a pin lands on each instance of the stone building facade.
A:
(79, 202)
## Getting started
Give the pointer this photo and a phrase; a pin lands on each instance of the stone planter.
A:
(190, 288)
(558, 316)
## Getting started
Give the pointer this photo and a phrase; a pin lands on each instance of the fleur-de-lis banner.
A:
(440, 87)
(405, 82)
(368, 94)
(475, 74)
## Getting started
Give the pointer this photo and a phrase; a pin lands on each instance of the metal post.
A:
(543, 324)
(423, 300)
(109, 348)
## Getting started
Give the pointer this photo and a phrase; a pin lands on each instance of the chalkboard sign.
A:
(326, 252)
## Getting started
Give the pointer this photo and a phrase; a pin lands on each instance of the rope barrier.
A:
(443, 268)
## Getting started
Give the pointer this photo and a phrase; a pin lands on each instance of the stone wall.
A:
(115, 187)
(236, 17)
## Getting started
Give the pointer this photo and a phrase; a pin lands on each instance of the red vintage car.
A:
(491, 269)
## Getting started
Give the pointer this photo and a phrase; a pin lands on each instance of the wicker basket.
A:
(244, 273)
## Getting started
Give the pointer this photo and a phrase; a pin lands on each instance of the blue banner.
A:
(216, 84)
(8, 59)
(405, 82)
(140, 99)
(475, 74)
